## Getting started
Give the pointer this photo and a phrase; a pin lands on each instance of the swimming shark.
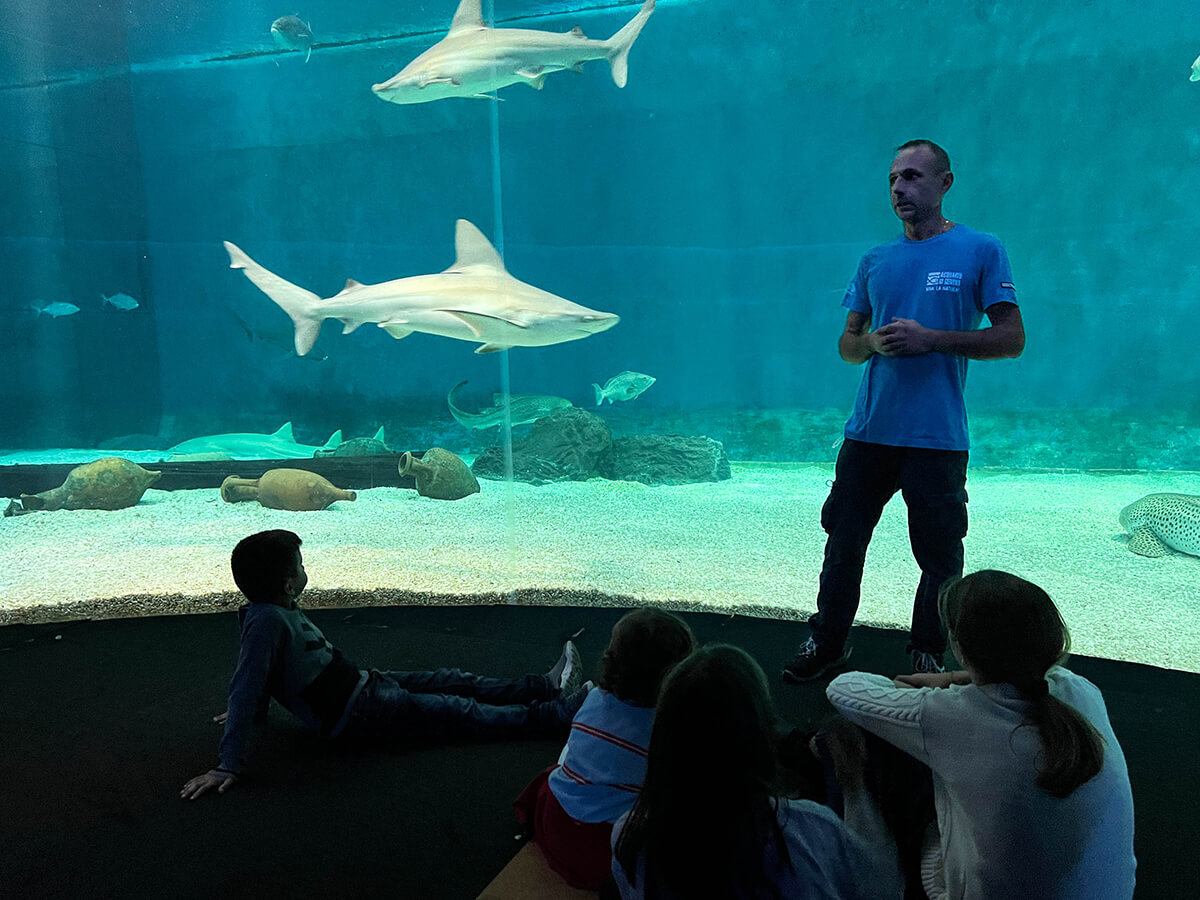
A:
(473, 58)
(250, 445)
(474, 300)
(522, 408)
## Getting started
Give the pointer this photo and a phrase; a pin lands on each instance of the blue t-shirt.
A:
(603, 766)
(944, 282)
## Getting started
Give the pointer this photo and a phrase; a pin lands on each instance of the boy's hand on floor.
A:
(201, 784)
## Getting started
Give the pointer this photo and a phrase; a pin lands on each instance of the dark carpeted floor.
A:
(102, 722)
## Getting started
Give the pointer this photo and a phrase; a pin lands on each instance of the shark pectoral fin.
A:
(348, 325)
(397, 330)
(537, 83)
(479, 322)
(1144, 542)
(487, 97)
(490, 348)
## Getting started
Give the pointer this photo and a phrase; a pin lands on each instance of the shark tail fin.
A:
(620, 43)
(298, 303)
(599, 394)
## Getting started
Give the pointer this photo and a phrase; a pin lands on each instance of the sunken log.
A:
(352, 472)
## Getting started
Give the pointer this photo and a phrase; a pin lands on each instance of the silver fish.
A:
(57, 309)
(625, 386)
(292, 33)
(120, 301)
(522, 408)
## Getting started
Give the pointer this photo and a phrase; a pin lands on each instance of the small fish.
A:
(1195, 70)
(120, 301)
(291, 33)
(625, 386)
(58, 309)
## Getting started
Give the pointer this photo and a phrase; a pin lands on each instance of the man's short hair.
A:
(263, 561)
(942, 157)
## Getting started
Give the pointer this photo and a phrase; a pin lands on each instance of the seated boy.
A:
(285, 656)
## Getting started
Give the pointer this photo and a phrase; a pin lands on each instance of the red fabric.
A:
(577, 851)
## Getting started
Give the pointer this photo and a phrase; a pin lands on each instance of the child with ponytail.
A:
(1030, 785)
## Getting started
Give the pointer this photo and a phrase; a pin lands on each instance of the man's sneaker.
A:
(925, 663)
(567, 673)
(812, 661)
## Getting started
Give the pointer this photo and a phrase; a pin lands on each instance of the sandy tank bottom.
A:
(751, 545)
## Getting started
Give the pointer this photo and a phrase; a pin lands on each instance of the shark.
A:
(473, 300)
(1160, 523)
(523, 408)
(473, 58)
(250, 445)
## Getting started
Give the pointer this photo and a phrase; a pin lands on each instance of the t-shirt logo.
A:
(943, 281)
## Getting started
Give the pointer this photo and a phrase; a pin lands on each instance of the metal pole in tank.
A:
(510, 512)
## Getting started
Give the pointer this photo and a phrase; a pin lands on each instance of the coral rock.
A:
(110, 483)
(294, 489)
(440, 474)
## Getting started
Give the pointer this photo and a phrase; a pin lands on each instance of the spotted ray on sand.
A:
(1160, 523)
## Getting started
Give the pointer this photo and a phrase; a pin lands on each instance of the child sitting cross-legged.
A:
(570, 808)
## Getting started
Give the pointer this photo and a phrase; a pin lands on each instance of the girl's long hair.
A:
(1010, 631)
(708, 807)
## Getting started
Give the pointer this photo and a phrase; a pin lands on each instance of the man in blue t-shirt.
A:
(925, 294)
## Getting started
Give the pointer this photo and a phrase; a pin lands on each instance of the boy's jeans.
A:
(451, 703)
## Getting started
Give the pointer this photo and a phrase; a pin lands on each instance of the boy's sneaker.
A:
(925, 663)
(812, 661)
(568, 702)
(567, 673)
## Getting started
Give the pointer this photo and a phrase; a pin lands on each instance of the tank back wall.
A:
(717, 203)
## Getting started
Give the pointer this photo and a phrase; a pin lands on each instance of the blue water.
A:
(718, 203)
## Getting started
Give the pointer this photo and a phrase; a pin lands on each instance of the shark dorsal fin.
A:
(471, 248)
(285, 432)
(379, 436)
(577, 32)
(468, 15)
(351, 285)
(334, 440)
